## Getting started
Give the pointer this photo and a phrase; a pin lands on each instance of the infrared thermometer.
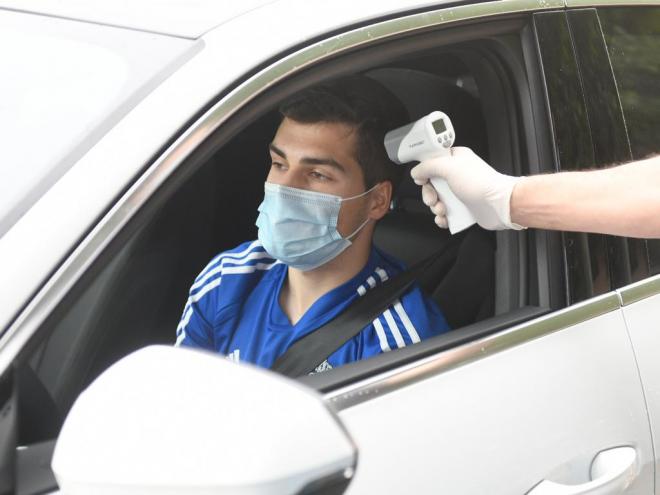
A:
(428, 137)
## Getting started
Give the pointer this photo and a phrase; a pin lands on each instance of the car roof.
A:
(183, 18)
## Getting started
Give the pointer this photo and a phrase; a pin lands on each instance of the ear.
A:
(379, 200)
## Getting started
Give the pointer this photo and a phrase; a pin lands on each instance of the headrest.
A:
(409, 232)
(421, 93)
(409, 237)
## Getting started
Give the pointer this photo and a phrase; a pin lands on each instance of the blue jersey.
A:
(233, 308)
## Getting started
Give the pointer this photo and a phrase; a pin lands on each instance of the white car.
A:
(134, 148)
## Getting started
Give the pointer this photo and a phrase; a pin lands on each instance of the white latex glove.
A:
(486, 192)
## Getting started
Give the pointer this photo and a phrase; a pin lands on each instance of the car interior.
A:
(134, 294)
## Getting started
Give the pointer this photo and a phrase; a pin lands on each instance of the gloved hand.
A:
(486, 192)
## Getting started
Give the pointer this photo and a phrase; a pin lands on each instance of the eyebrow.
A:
(311, 160)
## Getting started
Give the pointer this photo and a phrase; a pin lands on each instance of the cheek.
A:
(351, 217)
(281, 178)
(271, 176)
(292, 177)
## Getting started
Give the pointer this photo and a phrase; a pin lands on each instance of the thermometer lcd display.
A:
(439, 126)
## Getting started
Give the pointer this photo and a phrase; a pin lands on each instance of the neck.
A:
(302, 289)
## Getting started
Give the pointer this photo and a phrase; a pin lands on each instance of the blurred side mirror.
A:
(169, 421)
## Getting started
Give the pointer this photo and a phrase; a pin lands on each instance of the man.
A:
(329, 182)
(622, 200)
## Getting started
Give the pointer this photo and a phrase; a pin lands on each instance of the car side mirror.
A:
(169, 420)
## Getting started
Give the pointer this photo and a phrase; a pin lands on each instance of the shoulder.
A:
(243, 253)
(230, 274)
(389, 263)
(410, 318)
(382, 268)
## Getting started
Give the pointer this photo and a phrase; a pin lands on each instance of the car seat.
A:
(408, 232)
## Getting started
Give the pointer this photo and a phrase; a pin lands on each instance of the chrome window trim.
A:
(639, 290)
(611, 3)
(395, 379)
(53, 291)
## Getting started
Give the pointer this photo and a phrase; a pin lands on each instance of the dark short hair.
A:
(362, 103)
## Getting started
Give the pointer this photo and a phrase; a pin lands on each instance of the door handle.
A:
(612, 471)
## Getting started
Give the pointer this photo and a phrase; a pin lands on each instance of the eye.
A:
(318, 175)
(278, 166)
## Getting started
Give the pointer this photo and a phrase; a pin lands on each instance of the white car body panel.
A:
(89, 187)
(81, 80)
(643, 320)
(193, 18)
(501, 424)
(182, 18)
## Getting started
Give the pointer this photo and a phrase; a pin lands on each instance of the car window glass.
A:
(586, 254)
(654, 255)
(626, 257)
(633, 40)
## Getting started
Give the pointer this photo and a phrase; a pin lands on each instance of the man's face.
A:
(321, 157)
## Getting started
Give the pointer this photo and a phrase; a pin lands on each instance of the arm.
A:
(193, 329)
(623, 200)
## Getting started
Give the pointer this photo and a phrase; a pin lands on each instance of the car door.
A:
(633, 40)
(641, 309)
(500, 415)
(541, 405)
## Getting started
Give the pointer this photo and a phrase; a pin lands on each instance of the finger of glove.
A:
(433, 167)
(441, 222)
(461, 151)
(429, 195)
(439, 209)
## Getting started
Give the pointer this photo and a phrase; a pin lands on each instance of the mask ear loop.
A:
(355, 232)
(348, 238)
(361, 194)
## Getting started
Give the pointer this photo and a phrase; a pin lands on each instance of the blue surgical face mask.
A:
(299, 227)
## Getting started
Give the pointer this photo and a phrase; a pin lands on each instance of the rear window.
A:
(633, 40)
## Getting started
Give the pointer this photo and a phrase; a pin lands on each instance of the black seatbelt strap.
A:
(311, 350)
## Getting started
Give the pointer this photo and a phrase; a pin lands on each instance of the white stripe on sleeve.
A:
(362, 290)
(380, 331)
(232, 270)
(186, 318)
(394, 328)
(410, 328)
(188, 310)
(203, 291)
(215, 260)
(228, 259)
